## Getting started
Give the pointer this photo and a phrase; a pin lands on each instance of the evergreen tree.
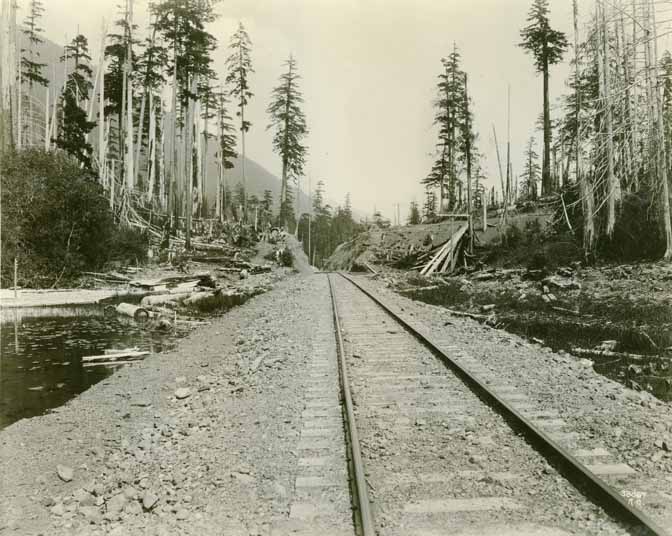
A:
(119, 65)
(31, 68)
(666, 75)
(226, 146)
(530, 175)
(451, 118)
(289, 122)
(547, 47)
(414, 214)
(267, 207)
(181, 23)
(239, 66)
(72, 136)
(150, 79)
(429, 208)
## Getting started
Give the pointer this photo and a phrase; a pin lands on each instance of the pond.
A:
(41, 352)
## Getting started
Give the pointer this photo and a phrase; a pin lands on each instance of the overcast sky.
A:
(369, 71)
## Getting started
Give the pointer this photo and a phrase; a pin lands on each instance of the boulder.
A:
(65, 473)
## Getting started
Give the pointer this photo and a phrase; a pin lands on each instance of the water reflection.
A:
(41, 351)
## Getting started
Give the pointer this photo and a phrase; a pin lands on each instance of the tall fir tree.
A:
(239, 66)
(119, 62)
(31, 67)
(289, 122)
(451, 118)
(547, 46)
(75, 125)
(226, 147)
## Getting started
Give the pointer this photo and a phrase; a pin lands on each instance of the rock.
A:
(182, 392)
(242, 477)
(486, 308)
(91, 514)
(133, 508)
(610, 346)
(149, 500)
(84, 498)
(131, 492)
(116, 504)
(58, 509)
(561, 283)
(65, 473)
(244, 274)
(182, 514)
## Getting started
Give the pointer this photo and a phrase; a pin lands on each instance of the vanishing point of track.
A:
(407, 461)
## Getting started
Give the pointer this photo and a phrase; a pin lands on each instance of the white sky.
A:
(369, 72)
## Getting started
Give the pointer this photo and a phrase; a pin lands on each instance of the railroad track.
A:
(434, 449)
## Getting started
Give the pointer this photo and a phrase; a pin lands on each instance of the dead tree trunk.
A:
(661, 148)
(613, 185)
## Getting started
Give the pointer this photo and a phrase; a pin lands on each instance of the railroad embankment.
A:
(210, 438)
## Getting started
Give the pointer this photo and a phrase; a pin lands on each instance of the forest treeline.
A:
(140, 121)
(605, 158)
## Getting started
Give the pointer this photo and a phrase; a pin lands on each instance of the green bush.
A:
(56, 220)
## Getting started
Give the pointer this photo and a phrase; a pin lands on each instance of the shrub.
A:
(287, 257)
(56, 219)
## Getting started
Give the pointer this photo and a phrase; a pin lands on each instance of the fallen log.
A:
(474, 316)
(198, 297)
(617, 355)
(567, 311)
(203, 279)
(135, 312)
(115, 357)
(165, 299)
(111, 276)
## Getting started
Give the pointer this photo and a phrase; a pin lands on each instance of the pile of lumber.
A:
(443, 259)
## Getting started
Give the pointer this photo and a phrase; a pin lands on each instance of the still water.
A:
(41, 352)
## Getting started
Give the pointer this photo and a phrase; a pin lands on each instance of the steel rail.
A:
(573, 469)
(361, 499)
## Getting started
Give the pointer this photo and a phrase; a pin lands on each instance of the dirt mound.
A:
(301, 262)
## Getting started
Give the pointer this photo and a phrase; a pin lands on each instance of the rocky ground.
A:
(569, 308)
(205, 439)
(198, 440)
